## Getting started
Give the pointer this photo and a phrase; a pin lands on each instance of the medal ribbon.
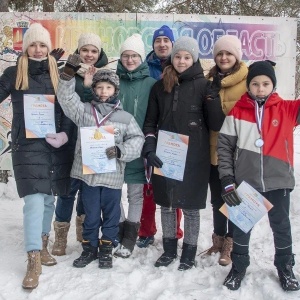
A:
(259, 115)
(103, 120)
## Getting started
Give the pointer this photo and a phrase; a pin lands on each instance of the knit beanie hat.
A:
(186, 43)
(229, 43)
(106, 75)
(36, 33)
(163, 31)
(265, 67)
(134, 43)
(89, 39)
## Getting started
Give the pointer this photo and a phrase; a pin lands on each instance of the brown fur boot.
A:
(34, 269)
(225, 259)
(61, 230)
(217, 244)
(46, 258)
(79, 228)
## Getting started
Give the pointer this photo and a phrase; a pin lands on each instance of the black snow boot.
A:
(170, 253)
(121, 232)
(105, 254)
(187, 260)
(129, 239)
(88, 254)
(237, 273)
(284, 265)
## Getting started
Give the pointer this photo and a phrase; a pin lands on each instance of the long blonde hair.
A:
(22, 73)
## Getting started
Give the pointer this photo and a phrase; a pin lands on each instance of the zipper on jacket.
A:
(288, 155)
(136, 101)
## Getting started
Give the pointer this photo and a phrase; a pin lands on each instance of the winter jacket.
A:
(186, 111)
(128, 136)
(135, 88)
(155, 65)
(271, 166)
(38, 167)
(233, 87)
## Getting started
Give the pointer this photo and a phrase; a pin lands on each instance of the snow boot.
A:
(105, 254)
(88, 254)
(129, 239)
(79, 227)
(217, 245)
(121, 232)
(34, 269)
(46, 258)
(225, 259)
(187, 260)
(145, 241)
(238, 271)
(61, 230)
(170, 253)
(284, 265)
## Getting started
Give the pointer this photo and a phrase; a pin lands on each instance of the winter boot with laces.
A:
(88, 254)
(129, 239)
(61, 230)
(46, 258)
(237, 273)
(170, 253)
(284, 265)
(216, 246)
(79, 227)
(187, 260)
(225, 259)
(105, 254)
(34, 269)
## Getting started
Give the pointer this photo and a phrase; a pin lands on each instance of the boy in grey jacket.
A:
(101, 191)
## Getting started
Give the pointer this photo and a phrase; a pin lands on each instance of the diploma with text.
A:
(252, 208)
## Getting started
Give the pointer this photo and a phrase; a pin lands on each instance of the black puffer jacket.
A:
(186, 111)
(38, 167)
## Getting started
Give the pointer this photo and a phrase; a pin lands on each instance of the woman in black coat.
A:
(41, 165)
(178, 103)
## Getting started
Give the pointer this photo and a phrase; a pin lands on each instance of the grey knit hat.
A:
(186, 43)
(106, 75)
(36, 33)
(89, 39)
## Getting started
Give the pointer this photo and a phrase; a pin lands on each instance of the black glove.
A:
(229, 194)
(71, 67)
(113, 152)
(213, 88)
(149, 146)
(153, 160)
(57, 53)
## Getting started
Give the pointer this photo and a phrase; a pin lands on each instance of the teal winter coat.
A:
(135, 88)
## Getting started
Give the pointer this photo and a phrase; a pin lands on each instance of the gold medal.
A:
(97, 135)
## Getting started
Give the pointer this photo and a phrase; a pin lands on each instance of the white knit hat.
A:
(134, 43)
(228, 43)
(36, 33)
(89, 39)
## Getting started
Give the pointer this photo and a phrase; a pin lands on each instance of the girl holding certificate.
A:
(229, 83)
(255, 145)
(178, 104)
(41, 170)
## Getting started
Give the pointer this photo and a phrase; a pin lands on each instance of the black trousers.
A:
(219, 220)
(280, 224)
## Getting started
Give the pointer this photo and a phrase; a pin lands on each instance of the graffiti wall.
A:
(261, 37)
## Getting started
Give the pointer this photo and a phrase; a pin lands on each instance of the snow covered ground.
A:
(136, 277)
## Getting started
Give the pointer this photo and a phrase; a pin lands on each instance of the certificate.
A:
(171, 149)
(94, 142)
(252, 208)
(39, 115)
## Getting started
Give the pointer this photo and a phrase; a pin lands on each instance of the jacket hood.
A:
(142, 71)
(247, 102)
(195, 71)
(102, 60)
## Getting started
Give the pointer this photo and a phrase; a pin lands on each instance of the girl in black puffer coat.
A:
(41, 165)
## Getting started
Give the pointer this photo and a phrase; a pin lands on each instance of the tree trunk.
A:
(48, 5)
(4, 5)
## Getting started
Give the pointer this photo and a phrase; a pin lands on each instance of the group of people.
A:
(233, 117)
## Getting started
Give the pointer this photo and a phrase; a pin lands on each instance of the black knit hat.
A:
(265, 67)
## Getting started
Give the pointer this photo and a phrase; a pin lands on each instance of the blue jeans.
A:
(99, 200)
(38, 213)
(64, 204)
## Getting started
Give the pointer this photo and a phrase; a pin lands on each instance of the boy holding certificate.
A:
(101, 190)
(256, 145)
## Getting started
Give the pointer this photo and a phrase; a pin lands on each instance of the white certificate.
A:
(252, 208)
(94, 142)
(39, 115)
(171, 149)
